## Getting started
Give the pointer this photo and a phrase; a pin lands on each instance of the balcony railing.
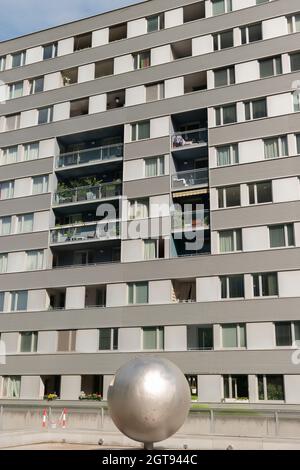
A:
(186, 179)
(189, 138)
(94, 155)
(87, 193)
(88, 232)
(194, 220)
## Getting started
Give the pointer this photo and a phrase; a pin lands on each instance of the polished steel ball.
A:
(149, 399)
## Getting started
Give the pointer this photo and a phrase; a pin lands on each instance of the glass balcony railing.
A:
(186, 179)
(94, 155)
(194, 220)
(87, 193)
(189, 138)
(88, 232)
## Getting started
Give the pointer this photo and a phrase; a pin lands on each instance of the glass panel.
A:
(160, 338)
(149, 338)
(296, 328)
(151, 167)
(229, 335)
(5, 225)
(150, 249)
(144, 130)
(243, 342)
(236, 287)
(142, 293)
(283, 334)
(1, 301)
(226, 241)
(269, 285)
(295, 62)
(224, 293)
(205, 338)
(130, 293)
(19, 301)
(271, 148)
(261, 391)
(3, 263)
(275, 387)
(259, 109)
(277, 236)
(264, 192)
(26, 342)
(221, 78)
(105, 339)
(152, 24)
(290, 235)
(229, 114)
(218, 7)
(223, 156)
(266, 68)
(226, 39)
(255, 32)
(233, 196)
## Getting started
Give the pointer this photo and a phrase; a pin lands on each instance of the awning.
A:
(197, 192)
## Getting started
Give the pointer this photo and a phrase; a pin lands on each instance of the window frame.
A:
(258, 281)
(134, 295)
(159, 332)
(228, 287)
(255, 187)
(33, 342)
(287, 235)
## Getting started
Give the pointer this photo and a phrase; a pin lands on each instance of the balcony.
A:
(187, 139)
(90, 156)
(191, 178)
(87, 194)
(190, 221)
(89, 232)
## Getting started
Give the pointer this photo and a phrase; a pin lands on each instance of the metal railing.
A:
(188, 138)
(192, 220)
(86, 232)
(186, 179)
(85, 156)
(87, 193)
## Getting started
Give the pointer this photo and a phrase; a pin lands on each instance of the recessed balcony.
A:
(88, 232)
(190, 221)
(86, 194)
(192, 138)
(90, 156)
(190, 178)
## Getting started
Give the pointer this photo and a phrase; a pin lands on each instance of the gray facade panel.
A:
(147, 187)
(23, 205)
(146, 148)
(28, 241)
(265, 214)
(22, 169)
(189, 267)
(250, 311)
(213, 362)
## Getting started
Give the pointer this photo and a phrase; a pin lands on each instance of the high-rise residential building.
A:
(150, 200)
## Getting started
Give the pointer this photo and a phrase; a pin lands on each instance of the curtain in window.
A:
(6, 190)
(5, 226)
(9, 155)
(3, 263)
(31, 151)
(12, 387)
(35, 260)
(40, 184)
(271, 148)
(144, 60)
(223, 155)
(150, 249)
(226, 241)
(19, 301)
(28, 223)
(230, 339)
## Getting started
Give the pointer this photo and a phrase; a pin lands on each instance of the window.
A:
(296, 100)
(140, 131)
(31, 151)
(226, 114)
(295, 62)
(19, 301)
(28, 342)
(236, 387)
(5, 225)
(18, 59)
(138, 209)
(223, 40)
(287, 334)
(35, 260)
(260, 2)
(15, 90)
(154, 166)
(108, 339)
(276, 147)
(270, 67)
(9, 155)
(229, 197)
(155, 23)
(25, 223)
(298, 143)
(2, 294)
(66, 341)
(154, 249)
(200, 338)
(141, 60)
(232, 287)
(138, 293)
(251, 33)
(282, 236)
(155, 92)
(294, 24)
(11, 387)
(260, 193)
(7, 190)
(230, 240)
(270, 387)
(83, 41)
(13, 122)
(265, 285)
(79, 108)
(3, 262)
(224, 77)
(45, 115)
(40, 184)
(234, 336)
(153, 339)
(221, 6)
(228, 155)
(256, 109)
(50, 51)
(2, 63)
(36, 85)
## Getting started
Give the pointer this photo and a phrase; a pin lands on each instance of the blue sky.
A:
(18, 17)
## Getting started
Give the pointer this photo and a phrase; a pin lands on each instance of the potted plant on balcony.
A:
(64, 192)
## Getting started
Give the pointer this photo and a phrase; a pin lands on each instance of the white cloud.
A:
(18, 17)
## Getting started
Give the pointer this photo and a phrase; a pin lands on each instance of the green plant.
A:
(90, 397)
(51, 397)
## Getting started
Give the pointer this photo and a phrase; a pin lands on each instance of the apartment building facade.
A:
(122, 135)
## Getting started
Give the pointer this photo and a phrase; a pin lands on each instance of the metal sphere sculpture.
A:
(149, 399)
